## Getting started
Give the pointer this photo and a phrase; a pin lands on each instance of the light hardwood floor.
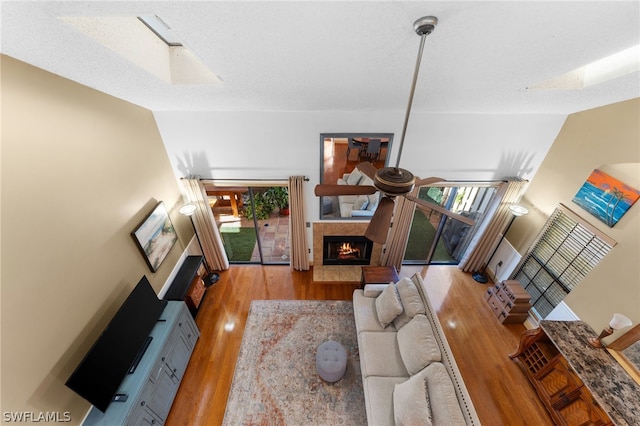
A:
(480, 343)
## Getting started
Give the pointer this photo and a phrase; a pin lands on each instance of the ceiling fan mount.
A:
(425, 25)
(393, 181)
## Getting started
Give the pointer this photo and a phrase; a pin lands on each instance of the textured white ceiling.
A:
(345, 55)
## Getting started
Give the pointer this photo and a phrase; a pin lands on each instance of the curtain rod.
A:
(306, 179)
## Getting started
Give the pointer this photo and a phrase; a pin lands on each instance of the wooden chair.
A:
(353, 145)
(373, 149)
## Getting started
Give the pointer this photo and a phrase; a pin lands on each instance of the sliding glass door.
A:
(438, 239)
(253, 222)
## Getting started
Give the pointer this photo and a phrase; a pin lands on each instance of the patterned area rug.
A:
(275, 381)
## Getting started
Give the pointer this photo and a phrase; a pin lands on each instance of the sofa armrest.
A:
(373, 290)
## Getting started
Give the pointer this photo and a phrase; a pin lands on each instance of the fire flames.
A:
(345, 250)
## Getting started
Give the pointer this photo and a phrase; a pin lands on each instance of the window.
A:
(565, 251)
(437, 239)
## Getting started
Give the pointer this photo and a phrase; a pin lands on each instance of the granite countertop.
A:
(611, 386)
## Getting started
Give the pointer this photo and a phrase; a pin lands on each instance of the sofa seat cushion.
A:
(364, 312)
(417, 344)
(379, 355)
(378, 397)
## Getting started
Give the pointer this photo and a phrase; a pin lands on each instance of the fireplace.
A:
(346, 250)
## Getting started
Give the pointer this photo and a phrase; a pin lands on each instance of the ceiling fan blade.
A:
(367, 169)
(326, 190)
(379, 226)
(426, 205)
(429, 181)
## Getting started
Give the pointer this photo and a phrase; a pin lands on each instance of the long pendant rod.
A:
(413, 89)
(423, 27)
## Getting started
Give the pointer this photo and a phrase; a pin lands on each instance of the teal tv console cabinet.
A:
(149, 391)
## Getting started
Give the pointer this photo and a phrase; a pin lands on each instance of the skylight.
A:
(605, 69)
(161, 29)
(148, 42)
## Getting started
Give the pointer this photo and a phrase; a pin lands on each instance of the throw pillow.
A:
(388, 305)
(418, 348)
(354, 177)
(361, 202)
(411, 406)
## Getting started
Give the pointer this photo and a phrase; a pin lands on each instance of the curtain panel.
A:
(495, 220)
(205, 225)
(396, 245)
(297, 227)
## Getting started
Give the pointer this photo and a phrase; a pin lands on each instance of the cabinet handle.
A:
(175, 369)
(153, 421)
(142, 404)
(162, 359)
(179, 324)
(189, 335)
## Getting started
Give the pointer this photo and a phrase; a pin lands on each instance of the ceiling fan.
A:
(393, 181)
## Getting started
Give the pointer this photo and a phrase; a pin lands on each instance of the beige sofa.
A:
(357, 205)
(408, 371)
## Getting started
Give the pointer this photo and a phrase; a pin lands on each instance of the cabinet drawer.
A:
(188, 329)
(514, 291)
(495, 305)
(517, 308)
(490, 291)
(557, 383)
(502, 296)
(194, 295)
(582, 410)
(512, 318)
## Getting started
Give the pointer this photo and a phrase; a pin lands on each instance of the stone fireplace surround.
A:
(339, 273)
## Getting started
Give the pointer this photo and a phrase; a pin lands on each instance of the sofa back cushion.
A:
(417, 345)
(374, 199)
(361, 202)
(412, 303)
(445, 407)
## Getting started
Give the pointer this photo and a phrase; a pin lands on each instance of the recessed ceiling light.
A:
(605, 69)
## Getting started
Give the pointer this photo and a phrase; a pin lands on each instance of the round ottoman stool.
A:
(331, 361)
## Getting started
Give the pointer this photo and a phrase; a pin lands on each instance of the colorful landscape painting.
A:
(605, 197)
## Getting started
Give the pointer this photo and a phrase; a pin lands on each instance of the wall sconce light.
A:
(516, 211)
(617, 322)
(212, 277)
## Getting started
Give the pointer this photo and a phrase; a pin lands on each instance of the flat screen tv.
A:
(111, 357)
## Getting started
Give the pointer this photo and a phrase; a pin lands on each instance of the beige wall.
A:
(606, 138)
(80, 170)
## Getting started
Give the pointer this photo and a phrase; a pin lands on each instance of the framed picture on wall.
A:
(605, 197)
(155, 236)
